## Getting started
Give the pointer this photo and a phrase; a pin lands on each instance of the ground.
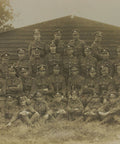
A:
(62, 132)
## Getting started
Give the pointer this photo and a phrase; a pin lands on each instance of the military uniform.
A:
(69, 61)
(77, 44)
(96, 45)
(58, 81)
(14, 86)
(87, 61)
(35, 60)
(42, 84)
(75, 82)
(60, 45)
(26, 113)
(53, 58)
(22, 62)
(4, 65)
(36, 43)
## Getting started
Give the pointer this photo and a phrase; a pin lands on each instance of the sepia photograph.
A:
(59, 72)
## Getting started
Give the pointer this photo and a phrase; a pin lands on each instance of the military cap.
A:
(5, 55)
(98, 33)
(21, 51)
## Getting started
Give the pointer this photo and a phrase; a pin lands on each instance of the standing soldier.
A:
(36, 43)
(14, 84)
(53, 58)
(77, 44)
(42, 84)
(35, 60)
(22, 60)
(4, 64)
(96, 45)
(87, 61)
(58, 42)
(75, 82)
(69, 61)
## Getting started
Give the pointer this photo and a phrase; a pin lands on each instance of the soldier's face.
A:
(56, 71)
(87, 52)
(118, 69)
(36, 37)
(98, 39)
(105, 54)
(53, 49)
(104, 71)
(75, 36)
(21, 55)
(25, 72)
(12, 72)
(92, 73)
(36, 52)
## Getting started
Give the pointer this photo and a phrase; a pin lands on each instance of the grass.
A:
(61, 132)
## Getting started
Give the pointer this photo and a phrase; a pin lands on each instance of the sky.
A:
(29, 12)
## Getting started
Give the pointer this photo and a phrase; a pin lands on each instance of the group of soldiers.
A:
(72, 81)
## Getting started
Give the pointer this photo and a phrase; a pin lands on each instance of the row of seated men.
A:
(72, 78)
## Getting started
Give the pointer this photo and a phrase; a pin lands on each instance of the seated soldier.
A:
(27, 80)
(110, 111)
(26, 113)
(87, 61)
(42, 83)
(14, 86)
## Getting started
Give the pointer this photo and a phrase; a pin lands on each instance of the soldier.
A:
(42, 84)
(96, 45)
(35, 60)
(109, 112)
(69, 61)
(11, 106)
(75, 82)
(21, 61)
(77, 44)
(59, 91)
(92, 81)
(58, 81)
(14, 86)
(105, 81)
(26, 113)
(87, 61)
(4, 64)
(27, 80)
(75, 107)
(58, 42)
(36, 43)
(53, 58)
(116, 77)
